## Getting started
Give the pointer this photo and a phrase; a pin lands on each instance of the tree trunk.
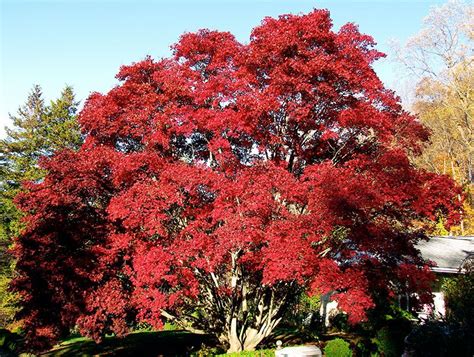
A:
(234, 343)
(246, 315)
(247, 330)
(252, 338)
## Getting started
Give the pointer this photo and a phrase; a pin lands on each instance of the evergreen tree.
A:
(60, 128)
(38, 130)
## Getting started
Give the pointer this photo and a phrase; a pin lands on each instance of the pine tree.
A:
(38, 130)
(61, 129)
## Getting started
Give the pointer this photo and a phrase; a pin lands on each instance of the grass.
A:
(140, 343)
(169, 342)
(258, 353)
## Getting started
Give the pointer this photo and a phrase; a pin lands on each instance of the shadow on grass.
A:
(162, 343)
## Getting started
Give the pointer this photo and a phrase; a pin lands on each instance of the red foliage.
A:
(285, 156)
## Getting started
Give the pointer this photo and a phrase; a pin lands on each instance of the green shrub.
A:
(8, 342)
(8, 299)
(168, 326)
(386, 343)
(459, 295)
(366, 347)
(205, 351)
(337, 348)
(390, 339)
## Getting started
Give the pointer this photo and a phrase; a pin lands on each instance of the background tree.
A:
(441, 56)
(38, 130)
(216, 185)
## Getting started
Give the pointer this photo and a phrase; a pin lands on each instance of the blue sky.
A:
(83, 43)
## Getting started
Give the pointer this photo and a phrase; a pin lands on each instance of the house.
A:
(449, 254)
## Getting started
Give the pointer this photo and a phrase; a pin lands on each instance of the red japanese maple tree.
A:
(216, 185)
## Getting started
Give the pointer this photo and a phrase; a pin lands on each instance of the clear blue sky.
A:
(83, 43)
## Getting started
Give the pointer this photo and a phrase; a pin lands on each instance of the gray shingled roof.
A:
(447, 252)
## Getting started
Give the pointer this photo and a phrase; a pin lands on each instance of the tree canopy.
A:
(216, 184)
(441, 57)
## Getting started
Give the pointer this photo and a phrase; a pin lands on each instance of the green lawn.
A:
(141, 343)
(258, 353)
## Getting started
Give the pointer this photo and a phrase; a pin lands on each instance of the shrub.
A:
(459, 295)
(440, 338)
(168, 326)
(8, 300)
(8, 342)
(337, 348)
(340, 322)
(366, 347)
(390, 338)
(206, 350)
(386, 344)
